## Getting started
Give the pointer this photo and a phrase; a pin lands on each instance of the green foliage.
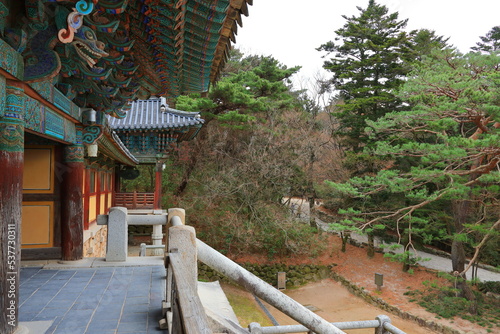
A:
(448, 306)
(144, 183)
(423, 42)
(232, 93)
(367, 67)
(490, 42)
(236, 120)
(250, 84)
(246, 159)
(344, 226)
(194, 102)
(446, 302)
(406, 257)
(489, 286)
(448, 186)
(260, 88)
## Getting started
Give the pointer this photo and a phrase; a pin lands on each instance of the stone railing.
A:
(182, 309)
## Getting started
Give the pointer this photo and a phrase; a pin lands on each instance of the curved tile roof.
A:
(152, 114)
(113, 147)
(182, 45)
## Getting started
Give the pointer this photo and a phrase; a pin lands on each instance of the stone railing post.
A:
(174, 212)
(181, 213)
(157, 238)
(117, 235)
(382, 319)
(255, 328)
(182, 240)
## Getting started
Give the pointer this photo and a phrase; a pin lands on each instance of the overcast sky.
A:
(291, 30)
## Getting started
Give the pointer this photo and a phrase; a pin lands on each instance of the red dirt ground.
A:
(355, 266)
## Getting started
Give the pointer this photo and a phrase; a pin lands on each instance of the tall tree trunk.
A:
(371, 246)
(197, 149)
(312, 197)
(312, 219)
(406, 262)
(461, 211)
(405, 240)
(345, 238)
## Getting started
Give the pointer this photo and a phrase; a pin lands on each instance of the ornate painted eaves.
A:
(102, 54)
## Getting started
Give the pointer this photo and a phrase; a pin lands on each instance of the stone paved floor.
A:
(94, 300)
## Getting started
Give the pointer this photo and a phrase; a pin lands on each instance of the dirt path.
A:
(335, 304)
(301, 208)
(355, 266)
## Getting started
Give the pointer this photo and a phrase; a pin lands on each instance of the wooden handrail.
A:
(135, 200)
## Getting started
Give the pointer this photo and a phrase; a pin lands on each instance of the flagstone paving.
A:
(93, 300)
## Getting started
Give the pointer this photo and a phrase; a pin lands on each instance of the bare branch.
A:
(480, 245)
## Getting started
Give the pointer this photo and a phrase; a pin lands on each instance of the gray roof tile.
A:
(148, 114)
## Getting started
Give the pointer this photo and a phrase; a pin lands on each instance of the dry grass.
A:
(244, 305)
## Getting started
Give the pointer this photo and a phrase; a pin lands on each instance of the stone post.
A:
(117, 235)
(181, 213)
(382, 319)
(11, 196)
(255, 328)
(157, 238)
(182, 239)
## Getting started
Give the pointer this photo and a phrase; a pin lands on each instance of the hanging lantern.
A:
(92, 150)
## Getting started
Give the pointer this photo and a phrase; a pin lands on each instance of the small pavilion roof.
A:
(154, 114)
(111, 144)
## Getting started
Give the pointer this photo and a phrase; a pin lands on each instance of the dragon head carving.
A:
(87, 46)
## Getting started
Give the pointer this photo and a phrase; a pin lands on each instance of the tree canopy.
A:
(367, 66)
(490, 42)
(247, 159)
(450, 139)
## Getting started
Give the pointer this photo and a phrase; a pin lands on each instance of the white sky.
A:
(291, 30)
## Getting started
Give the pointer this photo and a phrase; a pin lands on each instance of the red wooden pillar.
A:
(98, 193)
(11, 195)
(86, 199)
(116, 184)
(157, 199)
(72, 204)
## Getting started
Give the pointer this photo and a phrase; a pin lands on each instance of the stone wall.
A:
(94, 244)
(295, 275)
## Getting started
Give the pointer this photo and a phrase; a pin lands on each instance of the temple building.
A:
(70, 72)
(150, 131)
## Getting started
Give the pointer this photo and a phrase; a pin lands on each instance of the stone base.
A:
(94, 244)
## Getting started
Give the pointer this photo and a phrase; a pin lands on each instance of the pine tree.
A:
(367, 66)
(451, 135)
(423, 42)
(490, 42)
